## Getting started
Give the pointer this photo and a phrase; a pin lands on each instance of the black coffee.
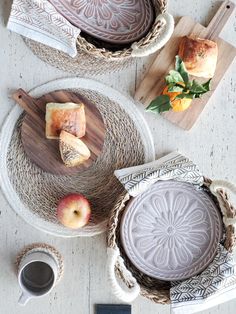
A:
(37, 277)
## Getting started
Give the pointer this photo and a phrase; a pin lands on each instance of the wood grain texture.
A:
(44, 152)
(211, 144)
(153, 83)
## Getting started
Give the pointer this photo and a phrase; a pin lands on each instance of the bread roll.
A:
(199, 56)
(68, 116)
(73, 151)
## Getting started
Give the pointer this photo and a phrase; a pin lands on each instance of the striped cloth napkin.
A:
(39, 20)
(217, 283)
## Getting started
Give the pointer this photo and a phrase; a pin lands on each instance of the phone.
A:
(113, 309)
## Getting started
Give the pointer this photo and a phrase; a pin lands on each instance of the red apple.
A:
(73, 211)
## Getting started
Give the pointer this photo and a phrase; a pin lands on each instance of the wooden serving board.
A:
(44, 152)
(153, 83)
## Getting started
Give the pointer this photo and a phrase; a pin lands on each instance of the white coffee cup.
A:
(37, 275)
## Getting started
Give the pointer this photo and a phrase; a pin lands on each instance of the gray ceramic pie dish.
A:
(113, 21)
(171, 231)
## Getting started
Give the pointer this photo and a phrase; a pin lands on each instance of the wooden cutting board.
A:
(44, 152)
(153, 83)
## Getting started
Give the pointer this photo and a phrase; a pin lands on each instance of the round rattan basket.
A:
(137, 282)
(93, 60)
(161, 21)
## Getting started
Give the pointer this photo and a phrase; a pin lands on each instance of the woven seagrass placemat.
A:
(42, 247)
(34, 194)
(83, 64)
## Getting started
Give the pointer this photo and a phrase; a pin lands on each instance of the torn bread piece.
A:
(65, 116)
(73, 150)
(199, 56)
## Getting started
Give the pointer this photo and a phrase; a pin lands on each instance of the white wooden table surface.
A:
(211, 144)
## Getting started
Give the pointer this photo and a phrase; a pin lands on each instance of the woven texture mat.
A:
(39, 191)
(42, 247)
(82, 64)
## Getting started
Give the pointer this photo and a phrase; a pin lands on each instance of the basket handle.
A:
(118, 291)
(168, 20)
(218, 185)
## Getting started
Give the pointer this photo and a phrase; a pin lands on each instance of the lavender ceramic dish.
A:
(113, 21)
(171, 231)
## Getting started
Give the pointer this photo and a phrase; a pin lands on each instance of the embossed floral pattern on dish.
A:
(110, 20)
(178, 231)
(109, 14)
(171, 231)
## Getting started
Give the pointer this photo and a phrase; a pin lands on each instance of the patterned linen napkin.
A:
(173, 166)
(39, 20)
(217, 283)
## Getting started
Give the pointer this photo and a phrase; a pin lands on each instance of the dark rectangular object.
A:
(113, 309)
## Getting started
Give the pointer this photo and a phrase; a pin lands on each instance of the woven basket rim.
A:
(160, 6)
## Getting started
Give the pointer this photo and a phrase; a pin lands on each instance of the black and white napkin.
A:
(217, 283)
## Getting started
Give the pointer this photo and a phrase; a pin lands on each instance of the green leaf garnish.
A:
(178, 82)
(160, 104)
(176, 76)
(197, 88)
(207, 85)
(184, 95)
(175, 88)
(169, 80)
(180, 67)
